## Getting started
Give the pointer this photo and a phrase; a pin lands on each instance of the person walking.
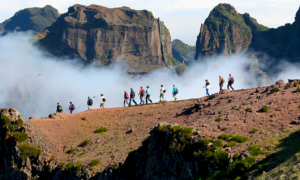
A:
(142, 94)
(230, 82)
(148, 93)
(126, 98)
(175, 92)
(207, 87)
(221, 83)
(132, 97)
(162, 93)
(103, 100)
(71, 107)
(59, 109)
(89, 103)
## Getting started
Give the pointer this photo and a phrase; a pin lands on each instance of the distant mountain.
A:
(226, 32)
(35, 20)
(105, 35)
(183, 52)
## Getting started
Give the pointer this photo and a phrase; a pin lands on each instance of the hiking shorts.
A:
(175, 96)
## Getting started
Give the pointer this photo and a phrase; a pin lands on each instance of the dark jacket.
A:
(90, 102)
(132, 94)
(58, 109)
(207, 84)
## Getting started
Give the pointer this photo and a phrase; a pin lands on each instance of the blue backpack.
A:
(73, 107)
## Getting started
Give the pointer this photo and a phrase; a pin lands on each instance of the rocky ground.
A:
(128, 127)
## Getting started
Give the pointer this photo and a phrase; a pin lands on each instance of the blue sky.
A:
(182, 17)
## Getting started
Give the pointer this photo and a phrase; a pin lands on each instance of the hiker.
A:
(221, 83)
(103, 100)
(162, 93)
(230, 82)
(175, 92)
(142, 94)
(59, 108)
(89, 103)
(132, 96)
(148, 93)
(207, 87)
(126, 97)
(71, 107)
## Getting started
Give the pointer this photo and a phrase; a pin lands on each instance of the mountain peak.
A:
(297, 18)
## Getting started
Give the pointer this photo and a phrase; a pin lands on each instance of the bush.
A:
(69, 166)
(83, 118)
(220, 118)
(248, 110)
(84, 143)
(275, 90)
(255, 150)
(264, 109)
(218, 143)
(71, 151)
(52, 159)
(225, 136)
(295, 84)
(254, 130)
(61, 165)
(298, 90)
(185, 134)
(239, 139)
(4, 121)
(94, 162)
(20, 136)
(240, 167)
(164, 128)
(27, 150)
(230, 144)
(115, 165)
(100, 130)
(78, 167)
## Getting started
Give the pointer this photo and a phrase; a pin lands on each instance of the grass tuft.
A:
(239, 138)
(230, 144)
(84, 143)
(20, 136)
(254, 130)
(100, 130)
(27, 150)
(71, 151)
(264, 109)
(255, 150)
(94, 162)
(248, 109)
(83, 118)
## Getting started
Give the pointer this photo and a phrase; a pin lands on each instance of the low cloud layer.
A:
(33, 83)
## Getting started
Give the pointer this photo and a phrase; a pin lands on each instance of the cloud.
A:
(192, 13)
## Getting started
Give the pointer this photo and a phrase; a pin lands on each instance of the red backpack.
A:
(231, 80)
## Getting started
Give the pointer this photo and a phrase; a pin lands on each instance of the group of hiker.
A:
(145, 94)
(221, 83)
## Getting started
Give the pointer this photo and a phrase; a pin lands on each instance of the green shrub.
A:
(84, 143)
(239, 139)
(248, 110)
(61, 165)
(176, 128)
(115, 165)
(27, 150)
(78, 167)
(71, 151)
(218, 143)
(220, 118)
(239, 167)
(264, 109)
(219, 159)
(4, 121)
(299, 107)
(295, 84)
(69, 166)
(185, 134)
(225, 136)
(275, 90)
(100, 130)
(83, 118)
(132, 151)
(230, 144)
(94, 162)
(20, 136)
(298, 90)
(254, 130)
(255, 150)
(204, 142)
(52, 159)
(164, 128)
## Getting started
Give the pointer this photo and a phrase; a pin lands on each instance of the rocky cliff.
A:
(35, 20)
(226, 32)
(106, 35)
(183, 52)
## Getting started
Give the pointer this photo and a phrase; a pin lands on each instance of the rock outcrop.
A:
(105, 35)
(183, 52)
(35, 20)
(226, 32)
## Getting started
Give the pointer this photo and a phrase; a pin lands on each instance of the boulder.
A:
(12, 113)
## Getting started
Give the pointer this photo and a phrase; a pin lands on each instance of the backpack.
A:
(103, 100)
(73, 107)
(231, 80)
(60, 108)
(164, 91)
(127, 95)
(176, 92)
(90, 102)
(143, 92)
(222, 80)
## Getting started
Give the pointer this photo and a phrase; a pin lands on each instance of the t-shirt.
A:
(162, 90)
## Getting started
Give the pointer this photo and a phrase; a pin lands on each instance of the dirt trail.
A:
(56, 136)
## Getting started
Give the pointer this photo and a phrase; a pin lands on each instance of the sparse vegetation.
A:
(115, 165)
(254, 130)
(94, 162)
(61, 165)
(4, 121)
(295, 84)
(220, 118)
(298, 90)
(78, 167)
(255, 150)
(275, 90)
(225, 136)
(71, 151)
(100, 130)
(218, 144)
(83, 118)
(84, 143)
(20, 136)
(264, 109)
(230, 144)
(248, 109)
(29, 151)
(239, 139)
(52, 159)
(69, 166)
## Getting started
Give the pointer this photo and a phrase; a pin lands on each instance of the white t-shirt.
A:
(162, 90)
(102, 97)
